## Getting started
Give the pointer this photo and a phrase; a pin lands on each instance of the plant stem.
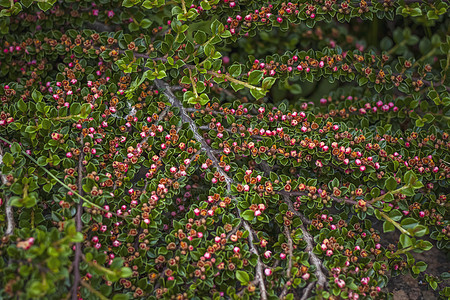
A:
(62, 183)
(79, 225)
(387, 218)
(393, 49)
(92, 290)
(397, 191)
(402, 251)
(183, 5)
(193, 84)
(9, 213)
(97, 266)
(424, 57)
(234, 80)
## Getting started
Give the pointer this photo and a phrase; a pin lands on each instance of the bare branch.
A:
(307, 291)
(79, 226)
(259, 271)
(288, 271)
(321, 278)
(164, 87)
(296, 212)
(99, 27)
(10, 223)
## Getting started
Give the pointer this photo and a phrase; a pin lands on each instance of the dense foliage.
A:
(221, 149)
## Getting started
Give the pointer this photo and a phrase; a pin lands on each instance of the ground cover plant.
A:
(222, 149)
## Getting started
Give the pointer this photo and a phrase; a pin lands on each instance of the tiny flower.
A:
(268, 272)
(268, 254)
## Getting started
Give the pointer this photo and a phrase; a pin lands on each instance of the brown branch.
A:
(321, 278)
(99, 27)
(79, 226)
(296, 212)
(307, 291)
(235, 229)
(299, 193)
(288, 271)
(10, 223)
(259, 271)
(164, 87)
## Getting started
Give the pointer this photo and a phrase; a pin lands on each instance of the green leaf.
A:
(410, 177)
(22, 105)
(387, 227)
(235, 70)
(405, 240)
(258, 94)
(125, 272)
(36, 95)
(375, 192)
(248, 215)
(419, 230)
(243, 277)
(390, 184)
(419, 123)
(75, 108)
(424, 245)
(409, 223)
(145, 23)
(16, 148)
(44, 6)
(77, 238)
(268, 82)
(236, 86)
(42, 161)
(8, 159)
(120, 297)
(395, 215)
(200, 37)
(255, 77)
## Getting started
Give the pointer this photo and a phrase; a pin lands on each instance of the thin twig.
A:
(79, 226)
(296, 212)
(321, 278)
(288, 271)
(10, 223)
(92, 290)
(307, 291)
(259, 271)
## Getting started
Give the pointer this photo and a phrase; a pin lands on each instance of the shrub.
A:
(221, 149)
